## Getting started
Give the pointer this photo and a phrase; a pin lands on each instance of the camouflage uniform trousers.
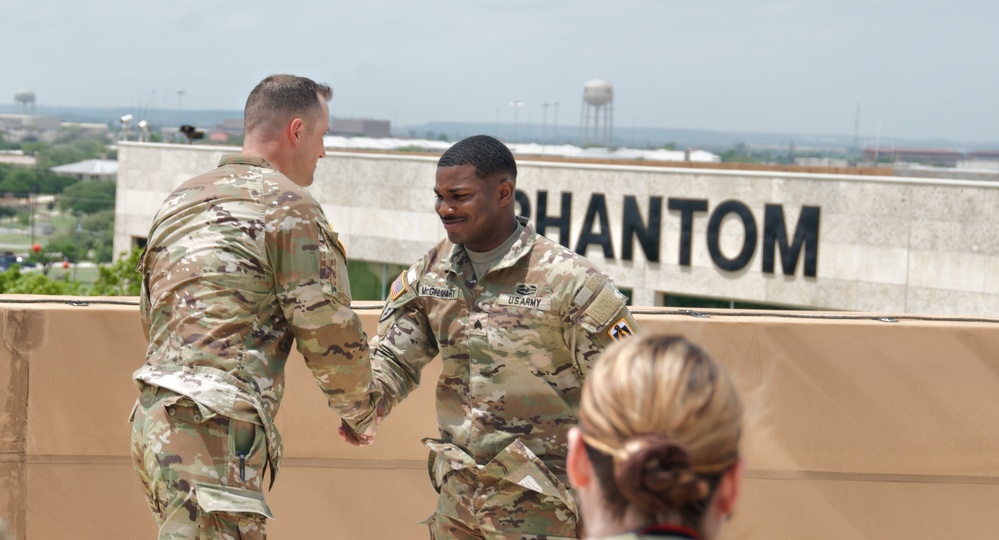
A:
(510, 498)
(202, 472)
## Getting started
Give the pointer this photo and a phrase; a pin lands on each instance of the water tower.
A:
(27, 100)
(598, 103)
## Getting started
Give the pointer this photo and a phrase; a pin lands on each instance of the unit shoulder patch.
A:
(620, 330)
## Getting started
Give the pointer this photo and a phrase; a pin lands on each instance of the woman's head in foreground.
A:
(658, 439)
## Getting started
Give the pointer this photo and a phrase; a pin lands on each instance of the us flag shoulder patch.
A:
(398, 286)
(620, 330)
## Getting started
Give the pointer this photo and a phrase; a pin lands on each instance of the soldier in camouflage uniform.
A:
(518, 320)
(241, 261)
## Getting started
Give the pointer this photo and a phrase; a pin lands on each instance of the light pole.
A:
(32, 198)
(515, 104)
(544, 120)
(76, 242)
(555, 120)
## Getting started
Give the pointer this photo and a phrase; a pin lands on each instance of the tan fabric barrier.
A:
(857, 428)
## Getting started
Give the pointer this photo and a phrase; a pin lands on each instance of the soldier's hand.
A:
(354, 438)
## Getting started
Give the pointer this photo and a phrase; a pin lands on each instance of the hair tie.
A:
(653, 472)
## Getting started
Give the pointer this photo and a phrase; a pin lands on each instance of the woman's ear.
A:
(727, 493)
(578, 465)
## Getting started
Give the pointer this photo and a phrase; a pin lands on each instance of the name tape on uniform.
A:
(437, 292)
(532, 302)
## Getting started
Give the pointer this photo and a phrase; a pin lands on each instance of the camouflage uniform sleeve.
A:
(599, 316)
(143, 295)
(404, 345)
(310, 276)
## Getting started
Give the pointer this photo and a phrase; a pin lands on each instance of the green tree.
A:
(60, 154)
(33, 148)
(37, 180)
(12, 281)
(62, 246)
(52, 183)
(66, 151)
(89, 196)
(740, 154)
(119, 278)
(97, 234)
(91, 148)
(77, 136)
(20, 181)
(92, 238)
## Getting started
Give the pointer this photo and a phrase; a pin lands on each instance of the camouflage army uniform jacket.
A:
(239, 262)
(516, 345)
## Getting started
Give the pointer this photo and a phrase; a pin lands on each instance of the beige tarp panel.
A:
(857, 428)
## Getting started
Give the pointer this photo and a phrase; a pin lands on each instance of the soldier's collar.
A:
(244, 159)
(458, 257)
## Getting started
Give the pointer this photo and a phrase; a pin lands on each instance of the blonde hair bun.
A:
(653, 472)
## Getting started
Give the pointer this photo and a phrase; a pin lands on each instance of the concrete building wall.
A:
(854, 428)
(883, 244)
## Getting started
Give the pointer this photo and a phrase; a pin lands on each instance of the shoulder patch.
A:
(398, 287)
(620, 330)
(607, 303)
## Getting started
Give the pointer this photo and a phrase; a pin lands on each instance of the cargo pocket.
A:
(445, 458)
(187, 410)
(247, 454)
(518, 465)
(528, 500)
(238, 513)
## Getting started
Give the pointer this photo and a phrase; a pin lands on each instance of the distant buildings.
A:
(985, 160)
(17, 127)
(924, 156)
(361, 126)
(981, 164)
(90, 169)
(229, 129)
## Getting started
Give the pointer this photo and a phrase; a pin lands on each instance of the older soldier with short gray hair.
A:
(518, 320)
(240, 262)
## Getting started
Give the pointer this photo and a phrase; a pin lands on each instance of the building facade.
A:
(823, 241)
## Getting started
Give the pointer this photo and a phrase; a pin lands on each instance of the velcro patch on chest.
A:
(531, 302)
(437, 292)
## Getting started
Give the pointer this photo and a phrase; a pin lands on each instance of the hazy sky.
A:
(917, 68)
